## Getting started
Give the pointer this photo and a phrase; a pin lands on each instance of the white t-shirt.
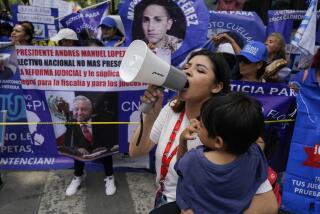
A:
(160, 133)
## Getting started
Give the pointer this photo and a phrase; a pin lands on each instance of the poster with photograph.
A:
(168, 26)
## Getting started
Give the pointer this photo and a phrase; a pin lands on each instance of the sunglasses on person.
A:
(245, 61)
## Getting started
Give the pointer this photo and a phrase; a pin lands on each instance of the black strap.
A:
(141, 129)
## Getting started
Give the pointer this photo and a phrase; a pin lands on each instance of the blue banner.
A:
(278, 102)
(246, 24)
(52, 77)
(47, 79)
(302, 181)
(87, 19)
(182, 20)
(43, 19)
(286, 21)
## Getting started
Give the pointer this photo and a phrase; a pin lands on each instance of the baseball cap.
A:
(225, 48)
(255, 52)
(65, 33)
(108, 22)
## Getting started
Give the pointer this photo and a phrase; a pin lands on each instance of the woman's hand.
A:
(222, 37)
(153, 95)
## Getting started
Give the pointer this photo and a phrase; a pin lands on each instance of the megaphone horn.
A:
(140, 64)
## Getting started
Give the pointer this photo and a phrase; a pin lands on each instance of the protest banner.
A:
(86, 20)
(278, 103)
(37, 98)
(246, 24)
(72, 69)
(302, 180)
(286, 22)
(34, 145)
(175, 38)
(64, 8)
(42, 18)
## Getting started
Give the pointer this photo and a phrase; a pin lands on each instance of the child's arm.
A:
(265, 203)
(190, 133)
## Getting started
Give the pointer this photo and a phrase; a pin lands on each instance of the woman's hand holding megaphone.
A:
(153, 96)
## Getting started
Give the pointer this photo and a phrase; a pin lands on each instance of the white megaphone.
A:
(140, 64)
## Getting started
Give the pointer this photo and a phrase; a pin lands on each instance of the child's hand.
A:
(191, 132)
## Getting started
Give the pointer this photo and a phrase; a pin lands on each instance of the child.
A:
(223, 175)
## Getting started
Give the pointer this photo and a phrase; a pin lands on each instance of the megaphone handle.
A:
(146, 107)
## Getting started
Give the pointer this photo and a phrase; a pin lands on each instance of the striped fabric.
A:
(305, 37)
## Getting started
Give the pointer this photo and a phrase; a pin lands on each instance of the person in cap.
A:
(252, 61)
(66, 37)
(111, 35)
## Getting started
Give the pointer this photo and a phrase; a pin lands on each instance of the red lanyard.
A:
(165, 159)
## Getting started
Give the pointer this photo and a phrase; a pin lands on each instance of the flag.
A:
(305, 37)
(87, 19)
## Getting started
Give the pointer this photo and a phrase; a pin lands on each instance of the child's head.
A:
(235, 119)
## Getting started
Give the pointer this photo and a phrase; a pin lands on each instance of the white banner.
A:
(72, 68)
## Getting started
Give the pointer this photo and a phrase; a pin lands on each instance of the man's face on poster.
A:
(82, 111)
(155, 23)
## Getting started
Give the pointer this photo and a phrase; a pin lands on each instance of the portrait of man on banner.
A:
(160, 23)
(84, 139)
(168, 26)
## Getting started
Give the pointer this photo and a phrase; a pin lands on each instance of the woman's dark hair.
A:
(178, 28)
(5, 29)
(118, 32)
(92, 42)
(234, 117)
(261, 70)
(28, 29)
(221, 72)
(237, 75)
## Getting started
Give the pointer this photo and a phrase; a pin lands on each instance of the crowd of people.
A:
(209, 141)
